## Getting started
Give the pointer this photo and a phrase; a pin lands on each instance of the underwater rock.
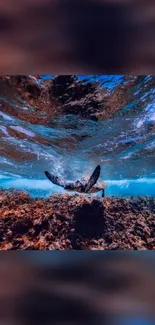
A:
(66, 222)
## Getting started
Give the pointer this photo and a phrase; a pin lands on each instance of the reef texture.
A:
(65, 222)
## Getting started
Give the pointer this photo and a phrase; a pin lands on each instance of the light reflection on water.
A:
(124, 145)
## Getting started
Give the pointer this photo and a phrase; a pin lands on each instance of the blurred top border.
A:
(77, 37)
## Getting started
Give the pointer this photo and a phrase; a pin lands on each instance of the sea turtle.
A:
(81, 186)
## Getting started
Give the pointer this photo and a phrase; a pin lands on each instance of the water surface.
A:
(72, 146)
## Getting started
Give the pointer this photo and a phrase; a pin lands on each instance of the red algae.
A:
(66, 222)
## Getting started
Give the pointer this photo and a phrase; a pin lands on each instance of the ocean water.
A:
(71, 146)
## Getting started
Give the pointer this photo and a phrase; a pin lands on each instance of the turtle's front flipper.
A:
(55, 179)
(93, 178)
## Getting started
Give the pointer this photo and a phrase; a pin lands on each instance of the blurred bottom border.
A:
(77, 287)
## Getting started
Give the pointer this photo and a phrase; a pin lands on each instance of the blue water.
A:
(124, 145)
(106, 80)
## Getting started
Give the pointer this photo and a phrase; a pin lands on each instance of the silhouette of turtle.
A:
(81, 186)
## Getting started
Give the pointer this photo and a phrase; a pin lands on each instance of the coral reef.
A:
(65, 222)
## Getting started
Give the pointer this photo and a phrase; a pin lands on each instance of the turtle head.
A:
(101, 184)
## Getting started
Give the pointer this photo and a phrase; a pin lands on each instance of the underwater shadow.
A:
(89, 222)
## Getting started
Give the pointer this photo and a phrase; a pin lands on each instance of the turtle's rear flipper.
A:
(55, 179)
(93, 178)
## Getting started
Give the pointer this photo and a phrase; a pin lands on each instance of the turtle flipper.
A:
(93, 178)
(55, 179)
